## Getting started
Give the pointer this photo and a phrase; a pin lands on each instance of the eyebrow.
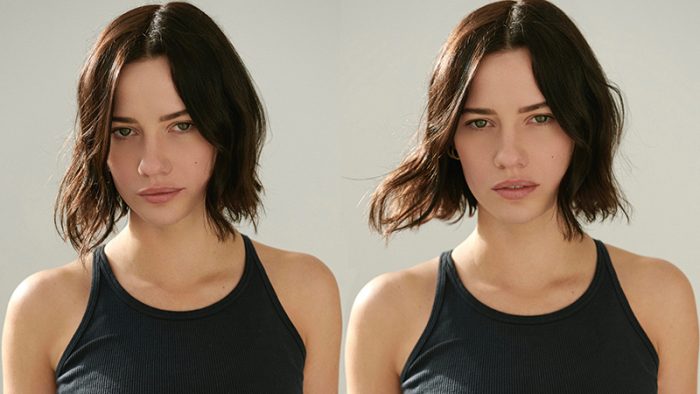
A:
(162, 118)
(487, 111)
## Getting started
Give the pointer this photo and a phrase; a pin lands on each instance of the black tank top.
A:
(594, 345)
(244, 343)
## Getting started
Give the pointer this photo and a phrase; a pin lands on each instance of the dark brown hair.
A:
(429, 184)
(217, 92)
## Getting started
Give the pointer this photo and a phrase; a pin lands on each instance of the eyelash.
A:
(190, 127)
(548, 116)
(472, 122)
(115, 132)
(189, 124)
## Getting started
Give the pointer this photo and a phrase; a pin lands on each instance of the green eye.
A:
(183, 126)
(479, 123)
(541, 118)
(122, 132)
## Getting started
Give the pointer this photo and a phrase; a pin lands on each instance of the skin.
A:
(166, 256)
(517, 260)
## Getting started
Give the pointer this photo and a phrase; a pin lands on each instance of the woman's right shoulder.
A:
(46, 308)
(47, 289)
(400, 289)
(393, 309)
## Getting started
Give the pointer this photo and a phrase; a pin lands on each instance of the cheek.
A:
(473, 158)
(564, 151)
(202, 161)
(120, 174)
(112, 159)
(474, 167)
(559, 157)
(119, 162)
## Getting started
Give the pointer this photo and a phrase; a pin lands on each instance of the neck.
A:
(531, 254)
(180, 253)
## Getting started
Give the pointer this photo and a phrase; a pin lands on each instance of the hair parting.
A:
(218, 93)
(429, 184)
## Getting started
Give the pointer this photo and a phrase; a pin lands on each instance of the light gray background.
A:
(344, 83)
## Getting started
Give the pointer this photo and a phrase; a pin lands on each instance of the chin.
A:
(518, 214)
(159, 218)
(158, 221)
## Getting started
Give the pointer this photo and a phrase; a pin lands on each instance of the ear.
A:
(452, 152)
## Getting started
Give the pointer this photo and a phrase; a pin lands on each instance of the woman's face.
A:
(512, 151)
(159, 161)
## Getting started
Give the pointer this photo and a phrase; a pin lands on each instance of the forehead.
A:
(146, 87)
(504, 79)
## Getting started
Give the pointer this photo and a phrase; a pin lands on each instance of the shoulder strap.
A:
(622, 299)
(87, 316)
(253, 261)
(443, 267)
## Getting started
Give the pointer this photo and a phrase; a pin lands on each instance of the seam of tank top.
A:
(545, 318)
(85, 320)
(198, 313)
(432, 320)
(281, 313)
(624, 303)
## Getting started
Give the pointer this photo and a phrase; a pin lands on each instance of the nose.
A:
(154, 159)
(510, 152)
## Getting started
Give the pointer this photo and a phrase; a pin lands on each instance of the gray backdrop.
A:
(344, 83)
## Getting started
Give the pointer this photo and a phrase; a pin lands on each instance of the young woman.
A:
(521, 130)
(169, 134)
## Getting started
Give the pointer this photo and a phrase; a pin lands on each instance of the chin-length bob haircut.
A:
(429, 184)
(218, 94)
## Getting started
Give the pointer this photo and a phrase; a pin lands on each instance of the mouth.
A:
(515, 189)
(159, 195)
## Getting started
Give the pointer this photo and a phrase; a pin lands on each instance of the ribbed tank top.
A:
(594, 345)
(243, 343)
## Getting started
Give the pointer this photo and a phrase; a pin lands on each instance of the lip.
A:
(159, 195)
(507, 190)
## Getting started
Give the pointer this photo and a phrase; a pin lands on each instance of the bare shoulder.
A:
(309, 294)
(391, 312)
(399, 290)
(52, 292)
(650, 279)
(287, 268)
(46, 308)
(642, 265)
(305, 286)
(658, 292)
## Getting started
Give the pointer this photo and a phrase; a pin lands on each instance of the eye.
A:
(122, 132)
(541, 119)
(184, 126)
(478, 123)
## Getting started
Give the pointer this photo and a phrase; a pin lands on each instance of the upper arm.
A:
(371, 340)
(309, 295)
(676, 329)
(27, 339)
(320, 327)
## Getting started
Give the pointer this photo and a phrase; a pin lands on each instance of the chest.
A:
(508, 360)
(590, 346)
(237, 345)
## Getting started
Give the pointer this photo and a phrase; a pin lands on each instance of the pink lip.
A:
(505, 189)
(159, 195)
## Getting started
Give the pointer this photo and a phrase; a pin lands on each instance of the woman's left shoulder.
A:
(649, 277)
(309, 295)
(660, 295)
(650, 272)
(292, 268)
(305, 286)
